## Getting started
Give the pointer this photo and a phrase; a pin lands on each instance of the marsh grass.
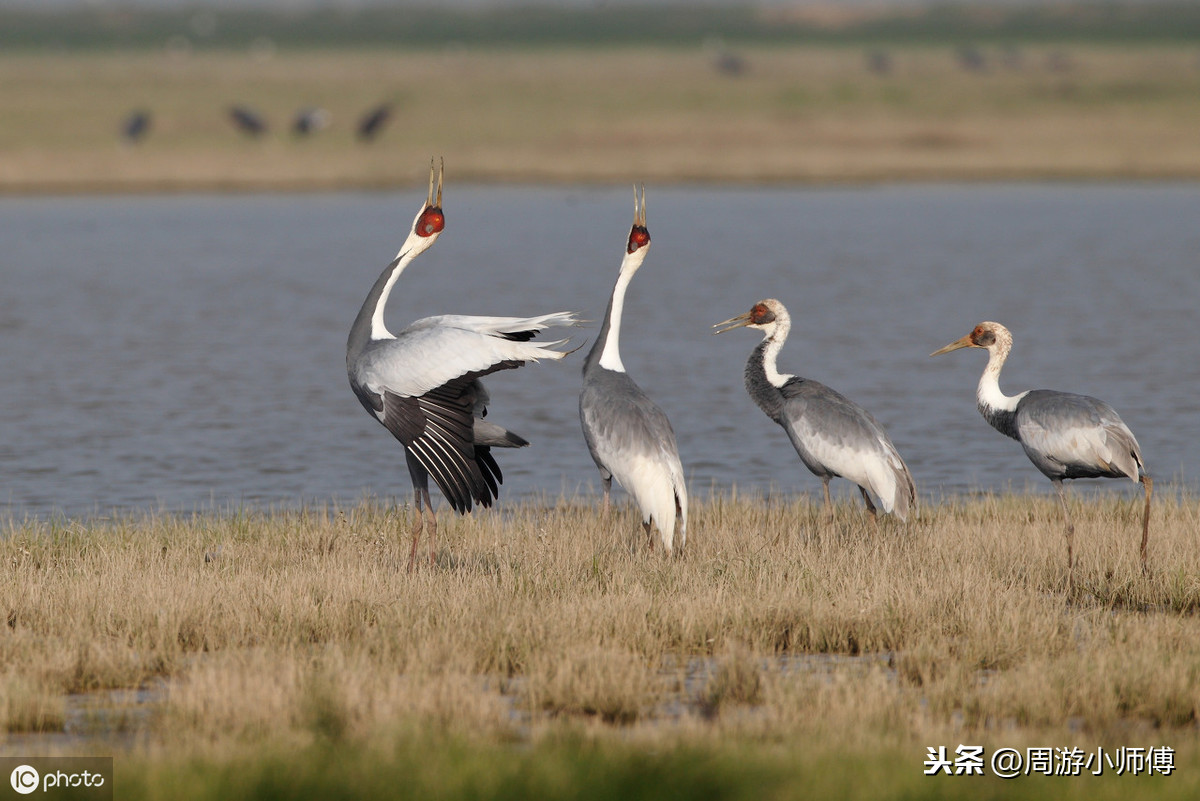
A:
(275, 632)
(604, 114)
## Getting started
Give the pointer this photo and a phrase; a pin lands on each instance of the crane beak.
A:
(964, 342)
(740, 321)
(430, 200)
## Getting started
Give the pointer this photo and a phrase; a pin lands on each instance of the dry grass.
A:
(799, 114)
(303, 627)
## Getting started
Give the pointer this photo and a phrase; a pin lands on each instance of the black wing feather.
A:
(438, 429)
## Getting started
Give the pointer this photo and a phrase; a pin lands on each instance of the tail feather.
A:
(905, 497)
(663, 500)
(681, 510)
(495, 436)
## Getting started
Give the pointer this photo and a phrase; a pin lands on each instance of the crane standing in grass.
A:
(423, 385)
(1063, 434)
(833, 435)
(628, 435)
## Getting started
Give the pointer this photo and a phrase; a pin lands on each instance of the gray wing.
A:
(836, 437)
(620, 421)
(1076, 436)
(830, 425)
(631, 439)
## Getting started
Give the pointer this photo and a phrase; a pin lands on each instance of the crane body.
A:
(1065, 435)
(832, 435)
(422, 383)
(627, 434)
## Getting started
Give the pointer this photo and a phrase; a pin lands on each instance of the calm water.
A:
(183, 353)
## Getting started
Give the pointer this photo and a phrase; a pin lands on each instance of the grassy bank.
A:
(794, 114)
(288, 653)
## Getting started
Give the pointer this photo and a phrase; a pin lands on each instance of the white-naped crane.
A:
(1063, 434)
(629, 436)
(422, 383)
(833, 435)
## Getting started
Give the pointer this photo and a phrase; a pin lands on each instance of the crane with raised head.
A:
(1065, 435)
(422, 383)
(628, 435)
(832, 434)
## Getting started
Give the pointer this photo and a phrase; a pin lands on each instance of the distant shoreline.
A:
(788, 116)
(225, 188)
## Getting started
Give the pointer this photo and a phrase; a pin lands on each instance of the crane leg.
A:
(1062, 499)
(606, 483)
(1148, 483)
(416, 530)
(828, 501)
(432, 528)
(871, 510)
(649, 534)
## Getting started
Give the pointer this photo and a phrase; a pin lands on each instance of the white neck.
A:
(610, 357)
(413, 246)
(988, 393)
(775, 335)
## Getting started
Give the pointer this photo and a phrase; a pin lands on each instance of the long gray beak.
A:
(740, 321)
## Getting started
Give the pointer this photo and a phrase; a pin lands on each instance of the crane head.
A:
(430, 220)
(986, 335)
(764, 314)
(639, 236)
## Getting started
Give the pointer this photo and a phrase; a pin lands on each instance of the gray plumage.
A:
(833, 436)
(627, 434)
(1065, 435)
(1041, 423)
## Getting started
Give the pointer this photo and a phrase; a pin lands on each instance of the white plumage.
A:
(433, 350)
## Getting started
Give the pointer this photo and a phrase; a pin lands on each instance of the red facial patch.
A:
(639, 237)
(431, 222)
(761, 315)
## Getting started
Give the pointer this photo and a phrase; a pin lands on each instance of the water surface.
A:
(180, 353)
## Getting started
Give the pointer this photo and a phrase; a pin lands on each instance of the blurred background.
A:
(167, 94)
(196, 197)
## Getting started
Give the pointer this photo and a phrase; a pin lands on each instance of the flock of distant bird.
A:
(307, 121)
(423, 384)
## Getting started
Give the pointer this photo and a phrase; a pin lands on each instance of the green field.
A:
(288, 654)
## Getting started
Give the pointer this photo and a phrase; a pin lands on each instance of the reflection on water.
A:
(188, 352)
